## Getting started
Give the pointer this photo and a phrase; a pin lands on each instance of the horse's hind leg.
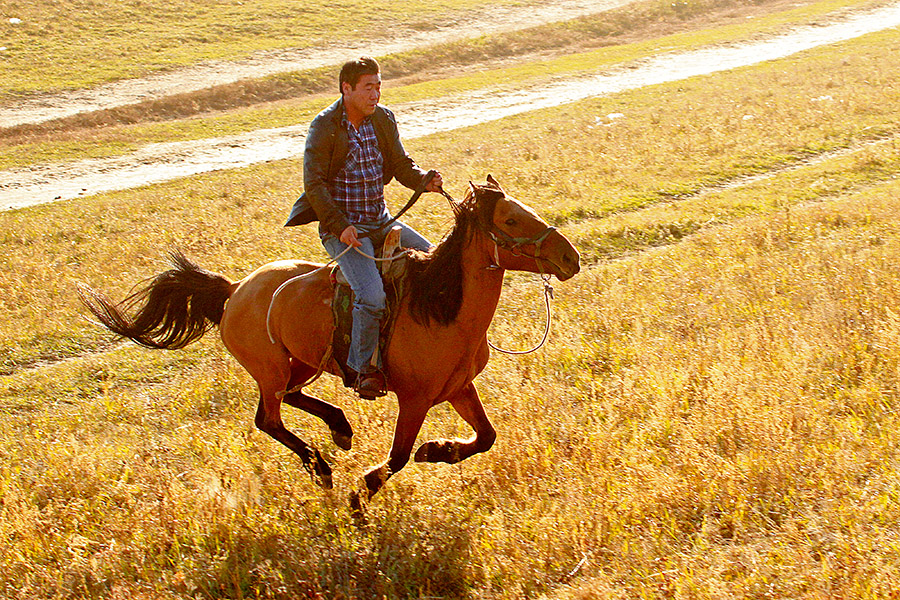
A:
(469, 406)
(268, 419)
(334, 417)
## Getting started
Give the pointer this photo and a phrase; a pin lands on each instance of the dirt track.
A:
(161, 162)
(205, 75)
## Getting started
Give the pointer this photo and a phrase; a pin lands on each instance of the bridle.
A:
(501, 239)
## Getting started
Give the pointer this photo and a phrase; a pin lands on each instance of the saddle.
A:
(393, 270)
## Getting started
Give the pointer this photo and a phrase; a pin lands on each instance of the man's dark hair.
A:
(354, 69)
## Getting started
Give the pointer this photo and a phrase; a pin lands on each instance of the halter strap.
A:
(508, 242)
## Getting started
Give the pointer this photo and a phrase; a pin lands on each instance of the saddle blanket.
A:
(342, 309)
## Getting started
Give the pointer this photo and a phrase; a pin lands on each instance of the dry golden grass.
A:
(715, 417)
(712, 419)
(736, 395)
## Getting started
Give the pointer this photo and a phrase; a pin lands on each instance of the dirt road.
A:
(208, 74)
(162, 162)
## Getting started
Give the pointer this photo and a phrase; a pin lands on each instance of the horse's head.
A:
(492, 229)
(522, 241)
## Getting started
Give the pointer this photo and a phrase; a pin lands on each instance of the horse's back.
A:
(254, 293)
(255, 323)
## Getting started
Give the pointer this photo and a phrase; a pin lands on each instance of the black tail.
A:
(178, 306)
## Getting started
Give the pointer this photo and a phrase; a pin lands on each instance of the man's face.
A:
(364, 97)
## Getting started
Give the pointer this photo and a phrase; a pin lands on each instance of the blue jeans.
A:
(365, 280)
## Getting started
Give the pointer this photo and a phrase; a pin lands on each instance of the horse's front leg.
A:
(469, 406)
(409, 421)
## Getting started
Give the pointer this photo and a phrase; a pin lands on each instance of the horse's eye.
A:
(510, 222)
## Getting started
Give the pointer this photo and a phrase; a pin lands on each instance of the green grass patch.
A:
(121, 140)
(668, 222)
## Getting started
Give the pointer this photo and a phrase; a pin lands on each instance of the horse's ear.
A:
(493, 182)
(473, 187)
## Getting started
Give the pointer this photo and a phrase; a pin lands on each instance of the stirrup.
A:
(370, 392)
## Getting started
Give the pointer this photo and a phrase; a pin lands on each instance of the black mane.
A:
(435, 279)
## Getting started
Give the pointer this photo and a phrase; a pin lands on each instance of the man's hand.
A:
(348, 237)
(435, 184)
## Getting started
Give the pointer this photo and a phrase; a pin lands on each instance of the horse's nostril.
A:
(572, 260)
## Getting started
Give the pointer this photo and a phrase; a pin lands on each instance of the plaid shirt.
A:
(358, 188)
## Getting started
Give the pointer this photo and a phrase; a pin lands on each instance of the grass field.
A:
(715, 415)
(83, 43)
(58, 45)
(418, 75)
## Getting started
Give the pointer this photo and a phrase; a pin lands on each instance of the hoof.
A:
(375, 479)
(437, 451)
(422, 453)
(318, 469)
(341, 440)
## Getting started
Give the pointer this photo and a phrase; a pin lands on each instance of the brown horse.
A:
(438, 345)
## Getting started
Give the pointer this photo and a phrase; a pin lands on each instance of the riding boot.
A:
(370, 385)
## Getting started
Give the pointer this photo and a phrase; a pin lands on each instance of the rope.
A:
(299, 387)
(548, 294)
(426, 179)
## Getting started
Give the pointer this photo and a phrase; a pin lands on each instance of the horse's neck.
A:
(482, 284)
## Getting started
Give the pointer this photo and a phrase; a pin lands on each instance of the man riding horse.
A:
(284, 340)
(352, 150)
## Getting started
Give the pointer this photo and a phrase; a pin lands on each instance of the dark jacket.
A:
(327, 144)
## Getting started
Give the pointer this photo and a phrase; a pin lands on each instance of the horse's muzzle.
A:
(564, 257)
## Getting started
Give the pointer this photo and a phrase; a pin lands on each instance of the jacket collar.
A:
(336, 112)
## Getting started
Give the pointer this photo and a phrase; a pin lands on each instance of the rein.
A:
(500, 238)
(503, 240)
(548, 294)
(418, 192)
